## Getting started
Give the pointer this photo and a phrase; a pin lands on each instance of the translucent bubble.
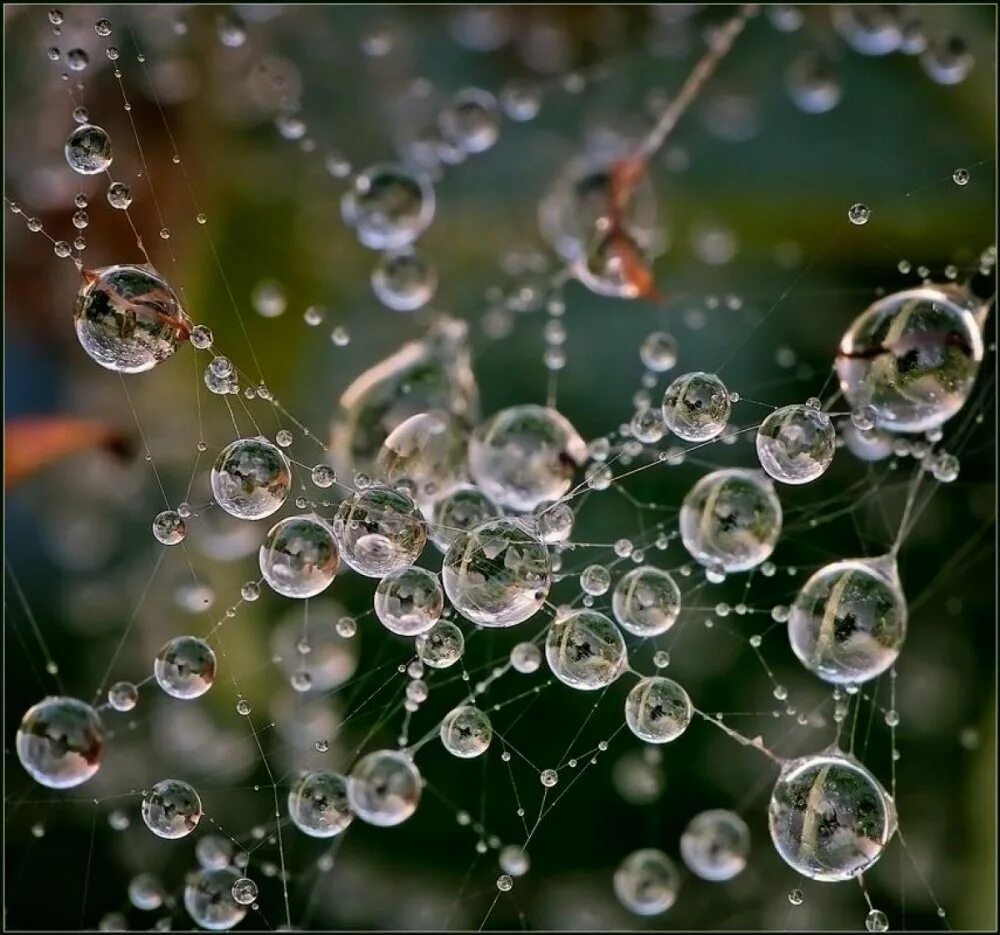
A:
(646, 882)
(77, 60)
(119, 195)
(299, 557)
(208, 899)
(947, 60)
(214, 852)
(945, 467)
(384, 788)
(657, 710)
(877, 921)
(146, 892)
(171, 809)
(428, 450)
(829, 817)
(123, 696)
(251, 478)
(696, 407)
(715, 845)
(441, 646)
(647, 425)
(60, 742)
(524, 456)
(433, 373)
(521, 100)
(525, 658)
(859, 213)
(88, 149)
(232, 32)
(466, 732)
(658, 351)
(268, 298)
(870, 445)
(388, 207)
(870, 30)
(169, 528)
(554, 521)
(848, 622)
(646, 601)
(514, 860)
(461, 509)
(913, 356)
(585, 650)
(380, 531)
(128, 318)
(403, 280)
(796, 444)
(470, 121)
(185, 667)
(409, 601)
(244, 891)
(497, 574)
(731, 520)
(595, 580)
(317, 804)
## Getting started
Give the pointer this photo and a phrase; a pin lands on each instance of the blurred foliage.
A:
(80, 533)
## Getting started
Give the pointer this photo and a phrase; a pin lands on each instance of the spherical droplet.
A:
(119, 195)
(646, 882)
(88, 149)
(251, 478)
(646, 601)
(299, 557)
(208, 899)
(585, 650)
(848, 622)
(403, 280)
(384, 788)
(731, 520)
(441, 646)
(185, 667)
(877, 921)
(696, 407)
(123, 696)
(128, 318)
(658, 351)
(525, 658)
(387, 206)
(60, 742)
(913, 356)
(169, 527)
(796, 444)
(497, 574)
(466, 732)
(317, 804)
(859, 213)
(146, 892)
(409, 601)
(657, 710)
(715, 845)
(829, 817)
(171, 809)
(461, 509)
(524, 456)
(380, 531)
(470, 121)
(959, 177)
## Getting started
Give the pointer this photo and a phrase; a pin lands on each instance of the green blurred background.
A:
(745, 168)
